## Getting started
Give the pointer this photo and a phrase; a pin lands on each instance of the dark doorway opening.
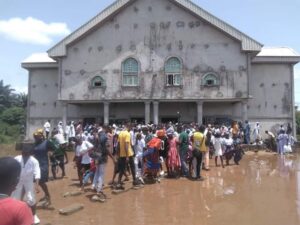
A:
(137, 120)
(169, 119)
(89, 121)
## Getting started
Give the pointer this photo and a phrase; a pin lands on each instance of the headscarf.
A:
(38, 132)
(160, 133)
(170, 131)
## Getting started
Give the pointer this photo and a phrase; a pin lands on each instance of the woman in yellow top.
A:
(199, 149)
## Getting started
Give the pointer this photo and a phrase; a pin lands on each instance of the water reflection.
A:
(297, 169)
(265, 187)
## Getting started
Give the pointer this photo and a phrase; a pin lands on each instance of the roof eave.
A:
(247, 43)
(60, 50)
(277, 59)
(40, 65)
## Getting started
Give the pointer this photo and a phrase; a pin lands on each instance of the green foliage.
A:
(4, 139)
(298, 121)
(13, 131)
(3, 128)
(13, 115)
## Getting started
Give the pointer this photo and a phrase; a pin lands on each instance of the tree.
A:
(298, 121)
(6, 97)
(13, 116)
(21, 100)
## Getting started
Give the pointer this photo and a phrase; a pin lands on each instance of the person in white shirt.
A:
(82, 154)
(227, 144)
(60, 128)
(71, 134)
(67, 131)
(216, 140)
(30, 175)
(47, 127)
(139, 148)
(256, 132)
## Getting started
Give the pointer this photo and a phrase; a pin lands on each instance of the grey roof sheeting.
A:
(248, 44)
(277, 55)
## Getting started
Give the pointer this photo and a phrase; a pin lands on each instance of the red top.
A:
(154, 143)
(15, 212)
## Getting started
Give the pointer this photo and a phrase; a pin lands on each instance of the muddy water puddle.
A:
(264, 189)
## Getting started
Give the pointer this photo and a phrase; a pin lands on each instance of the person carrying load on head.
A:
(151, 155)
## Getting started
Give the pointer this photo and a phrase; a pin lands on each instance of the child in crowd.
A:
(88, 175)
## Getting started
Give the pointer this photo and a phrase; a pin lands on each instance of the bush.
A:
(13, 131)
(13, 116)
(298, 122)
(4, 139)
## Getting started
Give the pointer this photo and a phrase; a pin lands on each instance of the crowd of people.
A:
(145, 152)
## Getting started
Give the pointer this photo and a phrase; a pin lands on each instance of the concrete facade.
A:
(248, 86)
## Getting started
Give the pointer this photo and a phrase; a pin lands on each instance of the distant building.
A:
(160, 60)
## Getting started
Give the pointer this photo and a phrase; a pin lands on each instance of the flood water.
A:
(264, 189)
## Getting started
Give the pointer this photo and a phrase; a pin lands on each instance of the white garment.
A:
(67, 132)
(60, 139)
(227, 142)
(29, 171)
(71, 131)
(256, 132)
(217, 143)
(84, 152)
(132, 137)
(139, 149)
(47, 126)
(60, 129)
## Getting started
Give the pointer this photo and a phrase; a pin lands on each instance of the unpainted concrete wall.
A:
(270, 86)
(151, 31)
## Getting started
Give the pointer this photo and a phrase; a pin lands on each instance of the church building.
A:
(158, 61)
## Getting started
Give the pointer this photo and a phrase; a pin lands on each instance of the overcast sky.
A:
(33, 26)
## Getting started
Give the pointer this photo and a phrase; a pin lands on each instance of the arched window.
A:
(98, 82)
(130, 70)
(210, 79)
(173, 71)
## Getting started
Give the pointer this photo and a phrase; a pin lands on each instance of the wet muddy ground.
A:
(263, 190)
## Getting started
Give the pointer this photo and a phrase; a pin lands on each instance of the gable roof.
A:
(247, 43)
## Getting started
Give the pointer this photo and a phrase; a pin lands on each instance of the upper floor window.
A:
(130, 70)
(173, 71)
(210, 79)
(98, 82)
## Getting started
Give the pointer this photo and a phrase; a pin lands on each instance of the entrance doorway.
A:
(89, 121)
(137, 120)
(169, 119)
(217, 120)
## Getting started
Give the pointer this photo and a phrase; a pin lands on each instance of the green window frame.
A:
(210, 79)
(130, 71)
(173, 72)
(98, 82)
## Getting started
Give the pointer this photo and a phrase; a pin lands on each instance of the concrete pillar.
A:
(106, 113)
(199, 112)
(244, 110)
(65, 114)
(155, 112)
(147, 112)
